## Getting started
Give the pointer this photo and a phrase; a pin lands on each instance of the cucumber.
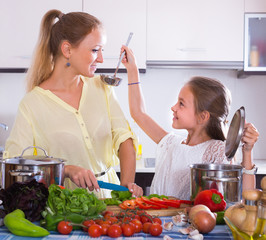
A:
(220, 218)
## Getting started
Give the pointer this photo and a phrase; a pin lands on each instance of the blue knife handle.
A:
(112, 186)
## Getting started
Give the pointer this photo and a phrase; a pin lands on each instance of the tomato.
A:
(140, 212)
(126, 219)
(145, 218)
(108, 222)
(138, 225)
(62, 187)
(137, 217)
(156, 229)
(64, 227)
(95, 230)
(157, 220)
(87, 224)
(108, 214)
(98, 221)
(127, 229)
(105, 228)
(146, 227)
(114, 231)
(113, 220)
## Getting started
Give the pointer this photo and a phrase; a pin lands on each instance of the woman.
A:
(69, 112)
(202, 109)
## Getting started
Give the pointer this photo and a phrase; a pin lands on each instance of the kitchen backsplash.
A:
(160, 88)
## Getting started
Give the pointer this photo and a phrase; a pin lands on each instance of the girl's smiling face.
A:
(184, 110)
(85, 57)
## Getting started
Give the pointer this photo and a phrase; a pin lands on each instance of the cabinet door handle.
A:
(191, 49)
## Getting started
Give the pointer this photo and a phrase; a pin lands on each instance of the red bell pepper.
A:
(129, 204)
(211, 198)
(149, 201)
(143, 205)
(168, 202)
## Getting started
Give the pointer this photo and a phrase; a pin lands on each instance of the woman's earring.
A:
(68, 63)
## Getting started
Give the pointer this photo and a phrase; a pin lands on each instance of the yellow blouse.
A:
(88, 137)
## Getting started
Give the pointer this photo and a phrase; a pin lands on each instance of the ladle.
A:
(113, 80)
(4, 126)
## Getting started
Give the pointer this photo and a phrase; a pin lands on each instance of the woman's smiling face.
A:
(85, 57)
(184, 110)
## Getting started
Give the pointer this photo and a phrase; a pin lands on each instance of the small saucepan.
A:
(45, 169)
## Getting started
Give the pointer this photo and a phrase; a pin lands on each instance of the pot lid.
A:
(33, 160)
(235, 133)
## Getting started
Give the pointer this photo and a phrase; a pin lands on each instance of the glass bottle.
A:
(137, 131)
(254, 56)
(260, 230)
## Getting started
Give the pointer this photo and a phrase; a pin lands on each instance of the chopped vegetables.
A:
(152, 203)
(112, 201)
(121, 195)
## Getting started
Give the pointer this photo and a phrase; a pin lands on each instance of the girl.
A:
(201, 109)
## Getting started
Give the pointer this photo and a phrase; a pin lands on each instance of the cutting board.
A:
(170, 211)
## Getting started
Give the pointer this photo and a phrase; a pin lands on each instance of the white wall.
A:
(160, 87)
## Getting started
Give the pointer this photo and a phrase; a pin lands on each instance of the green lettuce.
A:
(79, 201)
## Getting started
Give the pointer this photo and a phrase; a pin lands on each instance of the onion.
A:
(236, 214)
(196, 209)
(204, 221)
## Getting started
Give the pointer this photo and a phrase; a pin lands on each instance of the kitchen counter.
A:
(220, 232)
(141, 167)
(261, 164)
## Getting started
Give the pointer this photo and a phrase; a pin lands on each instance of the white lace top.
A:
(172, 171)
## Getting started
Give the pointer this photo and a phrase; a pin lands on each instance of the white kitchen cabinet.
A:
(195, 30)
(19, 27)
(255, 6)
(120, 17)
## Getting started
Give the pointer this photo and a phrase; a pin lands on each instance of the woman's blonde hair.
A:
(212, 96)
(72, 27)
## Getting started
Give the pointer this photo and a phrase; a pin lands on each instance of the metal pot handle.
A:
(46, 154)
(18, 172)
(233, 179)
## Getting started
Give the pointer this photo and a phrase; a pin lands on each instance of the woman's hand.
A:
(250, 137)
(82, 177)
(135, 189)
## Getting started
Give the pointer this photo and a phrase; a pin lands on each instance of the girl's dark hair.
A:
(73, 27)
(212, 96)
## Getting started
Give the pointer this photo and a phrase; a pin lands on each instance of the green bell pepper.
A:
(50, 221)
(19, 225)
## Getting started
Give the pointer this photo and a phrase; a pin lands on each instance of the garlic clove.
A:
(196, 237)
(194, 232)
(180, 220)
(187, 230)
(168, 226)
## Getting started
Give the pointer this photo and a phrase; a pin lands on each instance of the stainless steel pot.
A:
(226, 178)
(45, 169)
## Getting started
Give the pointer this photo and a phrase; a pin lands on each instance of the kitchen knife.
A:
(112, 186)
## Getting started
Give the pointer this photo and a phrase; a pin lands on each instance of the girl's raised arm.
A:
(136, 100)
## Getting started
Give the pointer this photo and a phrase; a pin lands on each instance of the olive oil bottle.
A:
(260, 230)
